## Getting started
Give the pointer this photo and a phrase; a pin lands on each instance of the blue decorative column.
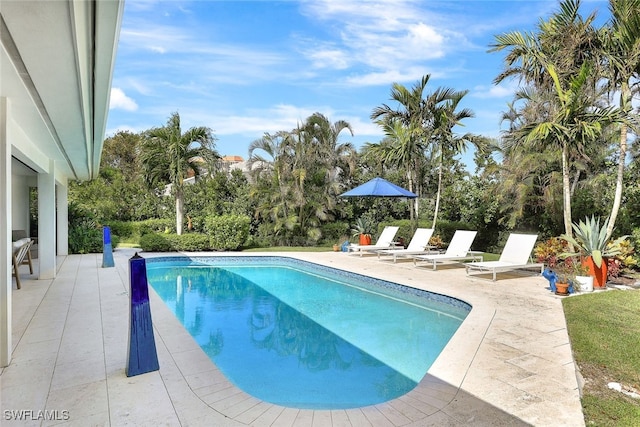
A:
(107, 251)
(142, 356)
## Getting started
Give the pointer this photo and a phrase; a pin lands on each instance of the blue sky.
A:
(244, 68)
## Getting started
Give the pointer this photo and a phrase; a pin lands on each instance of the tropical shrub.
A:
(626, 259)
(436, 242)
(549, 251)
(227, 232)
(156, 242)
(332, 232)
(123, 229)
(158, 225)
(446, 229)
(635, 242)
(190, 242)
(85, 237)
(85, 234)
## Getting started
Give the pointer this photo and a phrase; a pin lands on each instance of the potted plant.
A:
(565, 277)
(363, 229)
(583, 278)
(592, 245)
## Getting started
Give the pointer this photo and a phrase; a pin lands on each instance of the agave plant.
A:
(591, 240)
(363, 225)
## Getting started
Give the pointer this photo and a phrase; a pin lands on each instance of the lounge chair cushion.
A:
(18, 243)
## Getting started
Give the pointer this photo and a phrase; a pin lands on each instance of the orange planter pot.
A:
(365, 239)
(599, 273)
(562, 289)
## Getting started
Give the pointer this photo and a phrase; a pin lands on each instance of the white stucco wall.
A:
(19, 203)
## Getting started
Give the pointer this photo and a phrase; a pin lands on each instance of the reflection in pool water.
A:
(295, 339)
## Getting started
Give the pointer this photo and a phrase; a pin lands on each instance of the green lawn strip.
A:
(604, 329)
(610, 410)
(486, 256)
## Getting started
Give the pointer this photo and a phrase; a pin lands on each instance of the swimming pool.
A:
(301, 335)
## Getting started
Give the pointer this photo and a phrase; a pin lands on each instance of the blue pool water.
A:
(301, 335)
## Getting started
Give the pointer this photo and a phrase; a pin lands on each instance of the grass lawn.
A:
(604, 329)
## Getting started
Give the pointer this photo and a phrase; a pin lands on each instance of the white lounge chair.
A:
(385, 241)
(21, 255)
(418, 245)
(515, 255)
(458, 250)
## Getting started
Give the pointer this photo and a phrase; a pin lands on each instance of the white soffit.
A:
(63, 53)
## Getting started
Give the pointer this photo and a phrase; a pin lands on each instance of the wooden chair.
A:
(21, 256)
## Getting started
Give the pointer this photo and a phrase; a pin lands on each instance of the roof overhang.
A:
(56, 66)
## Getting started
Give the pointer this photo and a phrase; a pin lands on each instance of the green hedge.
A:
(227, 232)
(155, 242)
(333, 232)
(86, 238)
(123, 228)
(128, 229)
(190, 242)
(163, 242)
(164, 225)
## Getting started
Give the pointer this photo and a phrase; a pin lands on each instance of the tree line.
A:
(567, 152)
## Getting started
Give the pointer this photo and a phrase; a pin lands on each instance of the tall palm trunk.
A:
(566, 190)
(435, 211)
(413, 212)
(179, 210)
(625, 98)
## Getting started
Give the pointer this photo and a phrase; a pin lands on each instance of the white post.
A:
(6, 283)
(47, 223)
(62, 221)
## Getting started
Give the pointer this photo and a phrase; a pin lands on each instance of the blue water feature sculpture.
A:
(142, 355)
(552, 277)
(107, 250)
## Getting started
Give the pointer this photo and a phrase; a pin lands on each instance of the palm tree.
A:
(303, 168)
(170, 156)
(269, 166)
(447, 144)
(405, 151)
(557, 65)
(340, 157)
(565, 40)
(621, 50)
(572, 122)
(422, 122)
(412, 116)
(373, 155)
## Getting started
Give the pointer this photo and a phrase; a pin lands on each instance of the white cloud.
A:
(386, 77)
(120, 100)
(329, 58)
(384, 39)
(277, 118)
(503, 90)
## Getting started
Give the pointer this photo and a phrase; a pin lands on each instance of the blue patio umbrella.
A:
(378, 187)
